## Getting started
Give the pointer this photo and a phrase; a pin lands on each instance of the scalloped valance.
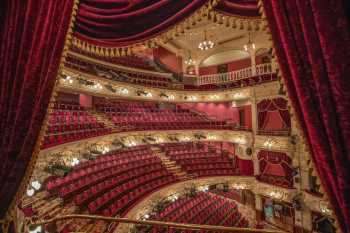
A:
(112, 28)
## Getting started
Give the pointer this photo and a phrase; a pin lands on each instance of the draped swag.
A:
(312, 43)
(32, 39)
(121, 23)
(275, 168)
(271, 105)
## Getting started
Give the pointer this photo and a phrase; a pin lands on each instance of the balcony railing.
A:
(282, 132)
(236, 75)
(167, 225)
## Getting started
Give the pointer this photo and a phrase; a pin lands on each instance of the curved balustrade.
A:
(50, 223)
(236, 75)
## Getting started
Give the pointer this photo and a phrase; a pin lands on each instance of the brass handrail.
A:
(154, 223)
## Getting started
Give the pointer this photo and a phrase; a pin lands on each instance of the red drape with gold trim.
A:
(117, 23)
(312, 39)
(32, 39)
(271, 105)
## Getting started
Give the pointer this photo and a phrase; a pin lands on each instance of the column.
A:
(258, 209)
(253, 103)
(256, 163)
(252, 60)
(254, 132)
(303, 221)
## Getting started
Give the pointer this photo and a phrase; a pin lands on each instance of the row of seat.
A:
(134, 170)
(203, 208)
(123, 190)
(122, 156)
(200, 160)
(69, 122)
(113, 166)
(110, 183)
(64, 137)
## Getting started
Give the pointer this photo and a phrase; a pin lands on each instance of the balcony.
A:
(260, 70)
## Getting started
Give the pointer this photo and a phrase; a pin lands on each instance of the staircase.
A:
(171, 165)
(158, 66)
(155, 66)
(101, 117)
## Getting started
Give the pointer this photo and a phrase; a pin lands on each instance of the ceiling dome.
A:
(225, 57)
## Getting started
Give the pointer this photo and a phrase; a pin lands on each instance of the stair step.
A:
(171, 165)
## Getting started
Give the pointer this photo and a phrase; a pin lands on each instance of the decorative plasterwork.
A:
(274, 143)
(317, 204)
(131, 91)
(238, 137)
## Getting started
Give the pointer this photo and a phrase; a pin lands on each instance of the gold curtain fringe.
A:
(5, 224)
(298, 131)
(29, 172)
(205, 12)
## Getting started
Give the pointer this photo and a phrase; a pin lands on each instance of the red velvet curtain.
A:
(262, 112)
(312, 39)
(270, 105)
(275, 168)
(120, 23)
(245, 166)
(123, 22)
(32, 38)
(245, 8)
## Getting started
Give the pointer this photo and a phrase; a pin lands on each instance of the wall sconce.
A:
(191, 98)
(269, 143)
(75, 161)
(123, 91)
(240, 140)
(98, 86)
(214, 97)
(325, 208)
(239, 186)
(34, 186)
(276, 194)
(68, 79)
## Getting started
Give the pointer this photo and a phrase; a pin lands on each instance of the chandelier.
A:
(206, 44)
(250, 45)
(190, 61)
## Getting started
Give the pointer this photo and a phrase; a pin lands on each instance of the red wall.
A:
(146, 53)
(208, 70)
(173, 62)
(67, 97)
(248, 116)
(245, 166)
(221, 111)
(274, 121)
(231, 66)
(85, 100)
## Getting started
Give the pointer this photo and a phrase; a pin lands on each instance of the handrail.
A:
(236, 75)
(154, 223)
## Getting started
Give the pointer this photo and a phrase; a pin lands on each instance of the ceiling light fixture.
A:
(190, 61)
(206, 43)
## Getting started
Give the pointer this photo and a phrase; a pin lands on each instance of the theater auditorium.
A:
(174, 116)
